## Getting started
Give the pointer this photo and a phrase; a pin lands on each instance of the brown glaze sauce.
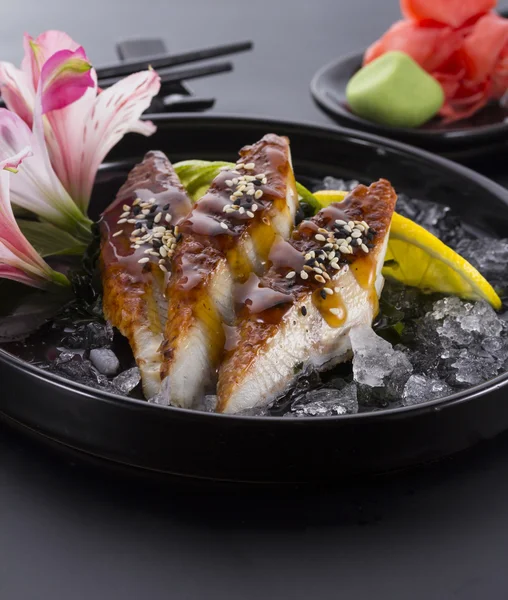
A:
(213, 233)
(373, 205)
(154, 178)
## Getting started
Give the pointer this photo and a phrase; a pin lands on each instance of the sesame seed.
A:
(322, 293)
(291, 274)
(229, 182)
(347, 228)
(304, 275)
(351, 224)
(157, 218)
(254, 207)
(241, 210)
(258, 194)
(264, 181)
(336, 311)
(223, 225)
(356, 234)
(143, 260)
(320, 279)
(251, 192)
(335, 266)
(364, 248)
(121, 221)
(250, 214)
(136, 202)
(249, 166)
(131, 221)
(303, 311)
(320, 238)
(119, 232)
(328, 291)
(145, 211)
(125, 214)
(163, 268)
(240, 166)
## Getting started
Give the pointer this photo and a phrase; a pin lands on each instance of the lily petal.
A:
(65, 77)
(15, 140)
(38, 51)
(18, 258)
(36, 187)
(86, 130)
(17, 91)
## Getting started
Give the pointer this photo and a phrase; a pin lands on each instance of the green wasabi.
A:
(394, 90)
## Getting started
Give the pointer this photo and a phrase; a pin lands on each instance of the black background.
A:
(68, 532)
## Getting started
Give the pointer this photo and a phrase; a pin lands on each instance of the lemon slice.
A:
(326, 197)
(416, 257)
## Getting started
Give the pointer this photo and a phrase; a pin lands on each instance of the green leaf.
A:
(308, 197)
(197, 175)
(48, 240)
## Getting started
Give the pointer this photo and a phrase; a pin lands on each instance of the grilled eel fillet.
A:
(227, 236)
(323, 282)
(137, 241)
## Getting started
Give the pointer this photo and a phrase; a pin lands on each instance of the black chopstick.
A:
(166, 61)
(168, 77)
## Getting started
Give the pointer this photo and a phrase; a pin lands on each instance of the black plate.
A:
(484, 133)
(182, 442)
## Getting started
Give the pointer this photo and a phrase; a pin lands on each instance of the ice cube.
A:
(75, 367)
(328, 402)
(460, 319)
(332, 183)
(376, 364)
(164, 395)
(127, 381)
(90, 335)
(489, 256)
(434, 217)
(420, 389)
(105, 361)
(207, 404)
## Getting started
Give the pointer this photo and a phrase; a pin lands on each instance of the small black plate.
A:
(173, 441)
(484, 133)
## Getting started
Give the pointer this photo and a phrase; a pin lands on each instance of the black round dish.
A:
(484, 133)
(181, 442)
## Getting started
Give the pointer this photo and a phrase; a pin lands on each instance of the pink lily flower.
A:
(64, 78)
(18, 258)
(79, 133)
